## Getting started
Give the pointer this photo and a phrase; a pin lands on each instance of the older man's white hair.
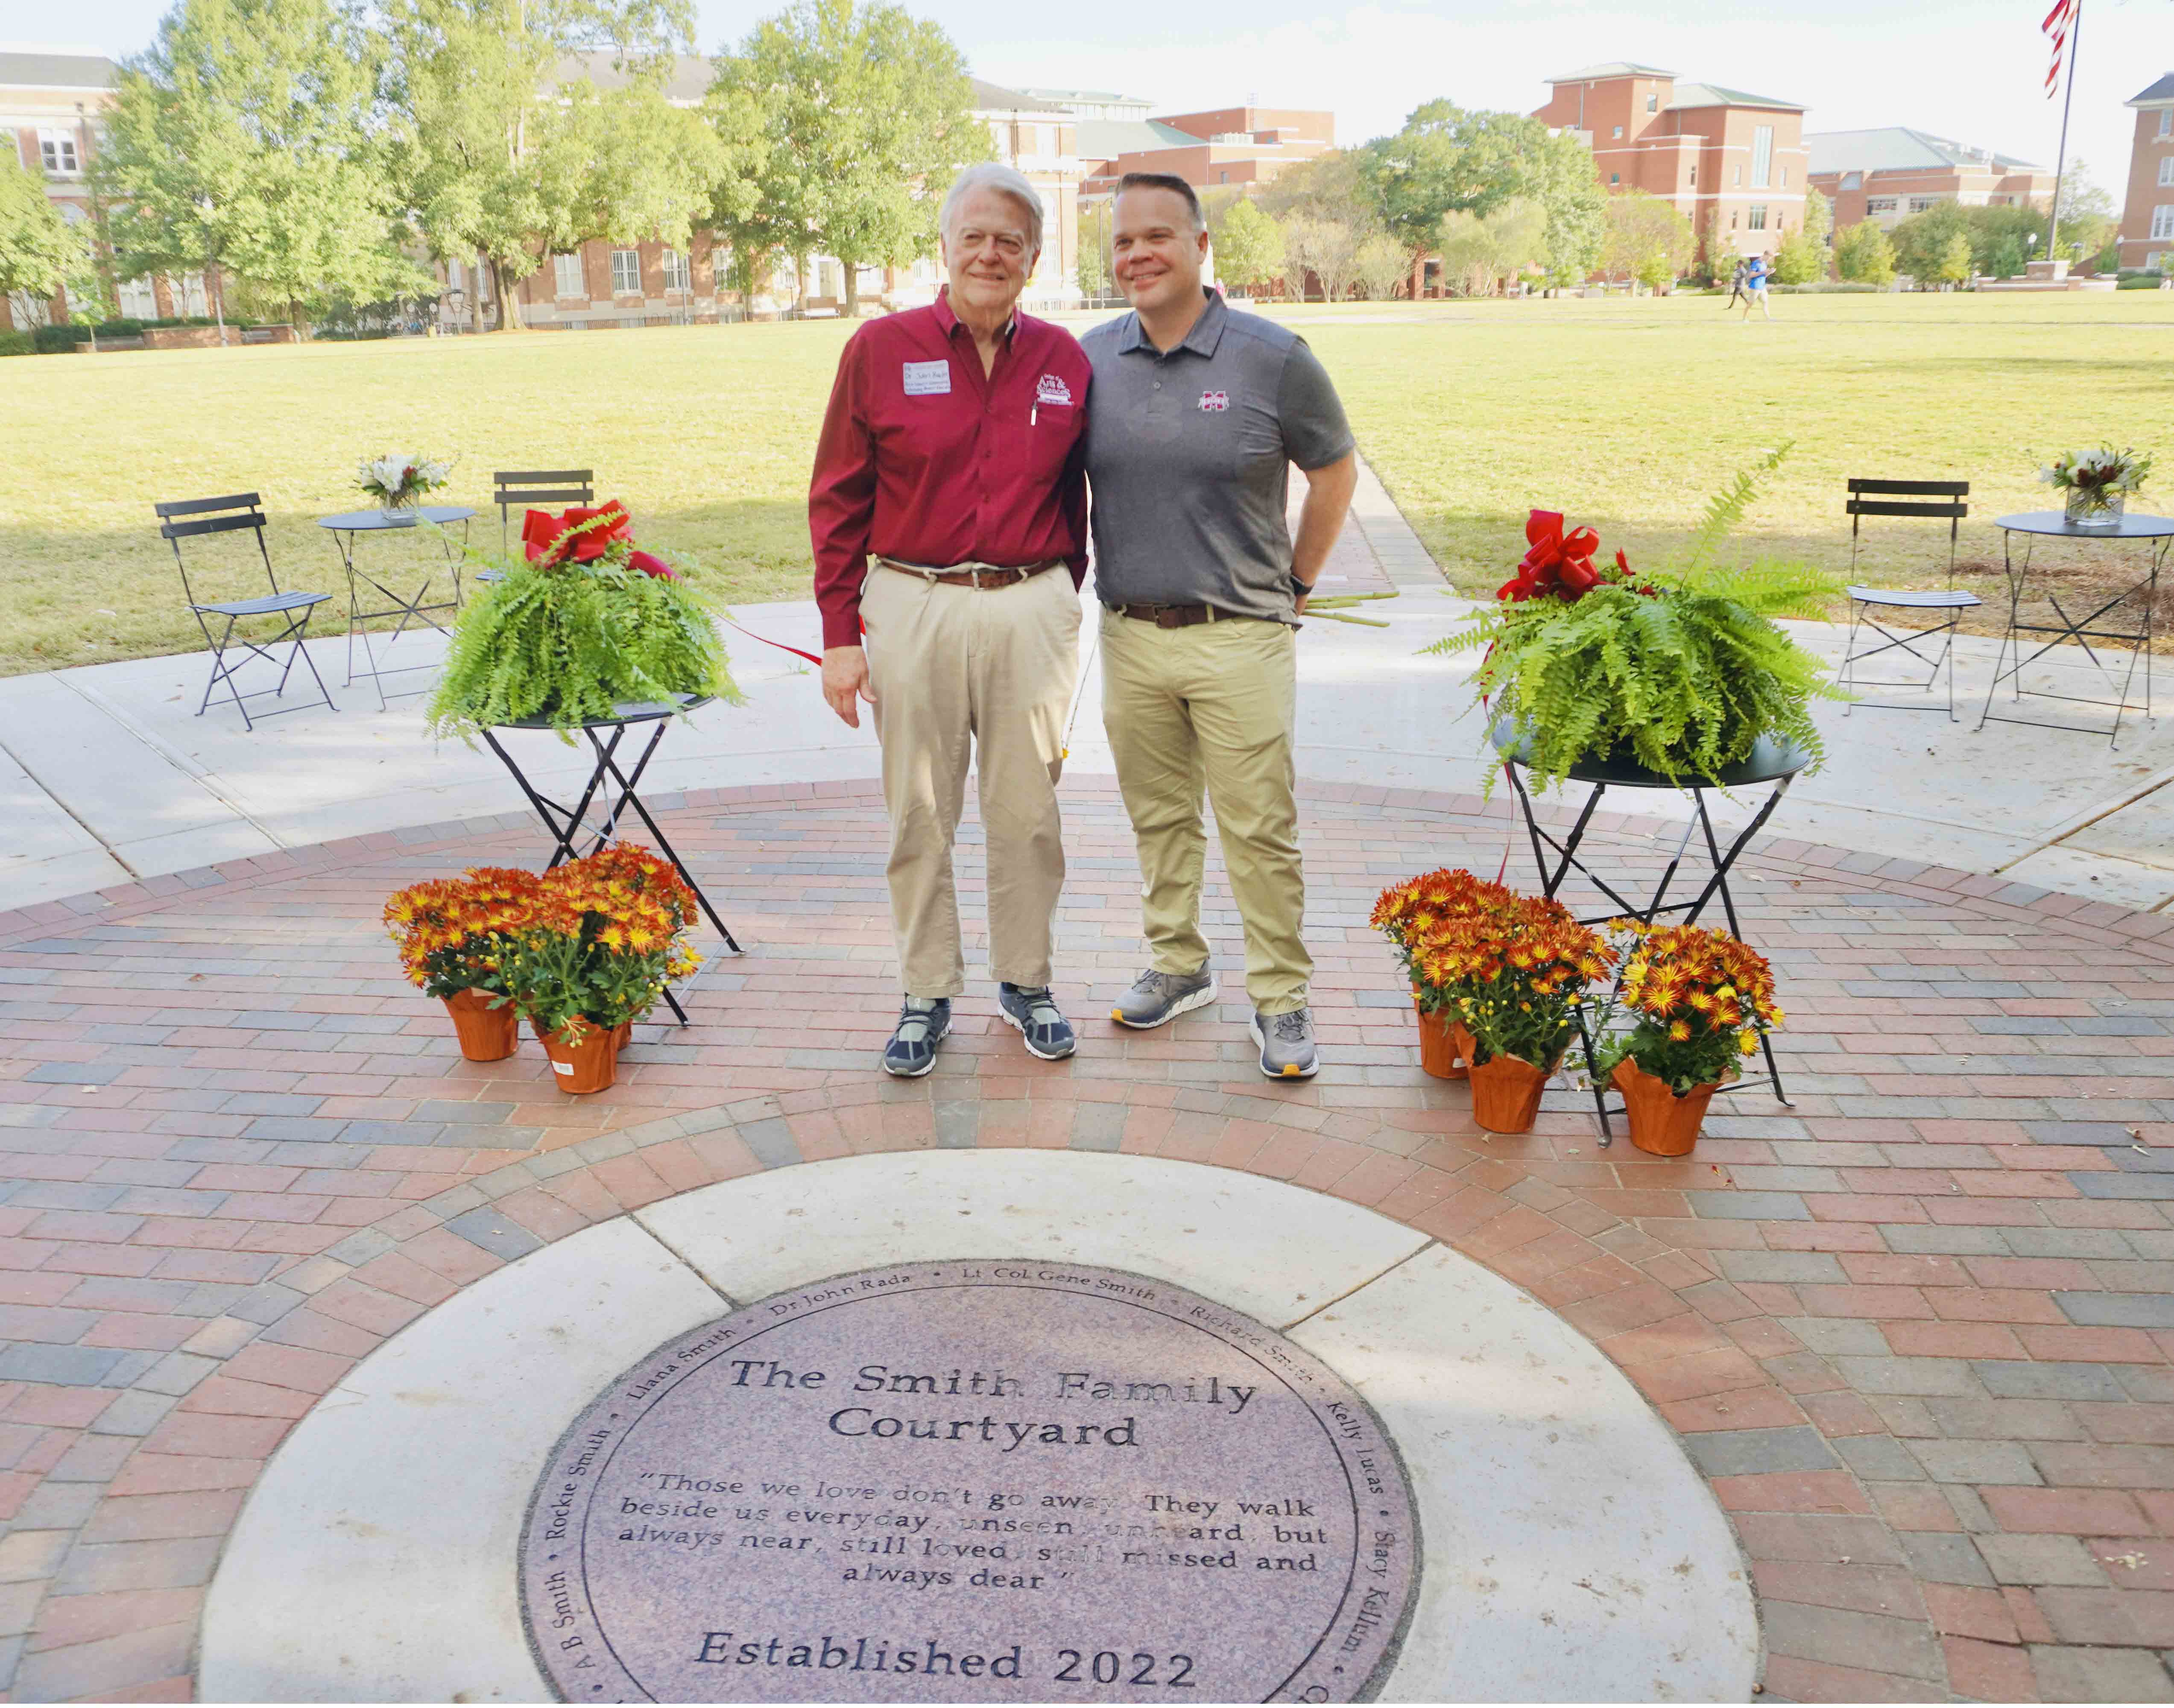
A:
(1006, 179)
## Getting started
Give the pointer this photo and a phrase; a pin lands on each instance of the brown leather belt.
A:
(979, 575)
(1177, 616)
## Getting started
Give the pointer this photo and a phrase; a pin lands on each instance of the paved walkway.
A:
(1916, 1332)
(105, 775)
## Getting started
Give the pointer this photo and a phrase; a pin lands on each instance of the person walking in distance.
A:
(952, 455)
(1754, 286)
(1199, 413)
(1735, 286)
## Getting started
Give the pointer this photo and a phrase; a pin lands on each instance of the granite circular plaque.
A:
(973, 1481)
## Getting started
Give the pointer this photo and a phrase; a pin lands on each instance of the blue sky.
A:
(1970, 69)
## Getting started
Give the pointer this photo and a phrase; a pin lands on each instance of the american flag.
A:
(2057, 25)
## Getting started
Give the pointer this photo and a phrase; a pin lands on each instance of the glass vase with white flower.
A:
(400, 481)
(2096, 484)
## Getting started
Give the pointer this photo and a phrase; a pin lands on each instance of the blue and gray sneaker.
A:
(1040, 1021)
(922, 1025)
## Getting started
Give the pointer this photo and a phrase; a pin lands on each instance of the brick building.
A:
(2147, 215)
(1732, 162)
(50, 101)
(1224, 146)
(1887, 174)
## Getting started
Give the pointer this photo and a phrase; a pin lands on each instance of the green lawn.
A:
(1623, 413)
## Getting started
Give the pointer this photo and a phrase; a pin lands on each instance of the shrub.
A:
(16, 345)
(122, 328)
(60, 339)
(2141, 281)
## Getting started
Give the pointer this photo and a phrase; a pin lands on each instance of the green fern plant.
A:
(1683, 670)
(566, 642)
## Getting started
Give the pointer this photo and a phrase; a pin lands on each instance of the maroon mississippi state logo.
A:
(976, 1481)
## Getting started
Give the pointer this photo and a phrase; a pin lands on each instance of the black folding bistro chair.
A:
(194, 517)
(512, 490)
(1875, 608)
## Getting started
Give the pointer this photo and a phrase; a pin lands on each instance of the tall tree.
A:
(38, 248)
(867, 116)
(245, 137)
(1248, 246)
(1478, 251)
(507, 149)
(1332, 186)
(1380, 266)
(2088, 219)
(1862, 254)
(1647, 240)
(1327, 248)
(1561, 179)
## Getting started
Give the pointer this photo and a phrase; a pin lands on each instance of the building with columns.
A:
(2147, 215)
(1732, 162)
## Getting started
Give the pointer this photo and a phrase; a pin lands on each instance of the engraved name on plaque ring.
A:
(981, 1480)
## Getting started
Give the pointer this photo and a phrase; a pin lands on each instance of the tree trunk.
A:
(853, 272)
(509, 309)
(799, 278)
(476, 320)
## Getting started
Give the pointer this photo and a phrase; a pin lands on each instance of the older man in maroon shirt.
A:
(948, 511)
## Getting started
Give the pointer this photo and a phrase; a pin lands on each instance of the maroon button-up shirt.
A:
(925, 459)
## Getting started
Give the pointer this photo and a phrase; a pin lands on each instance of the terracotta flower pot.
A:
(588, 1063)
(486, 1034)
(1505, 1094)
(1662, 1123)
(623, 1032)
(1438, 1055)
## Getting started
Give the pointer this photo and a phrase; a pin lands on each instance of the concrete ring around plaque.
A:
(983, 1426)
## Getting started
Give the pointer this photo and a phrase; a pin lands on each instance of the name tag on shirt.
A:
(926, 379)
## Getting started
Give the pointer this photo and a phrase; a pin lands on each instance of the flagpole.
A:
(2061, 160)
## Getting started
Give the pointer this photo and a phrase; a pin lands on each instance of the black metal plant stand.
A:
(618, 789)
(1770, 762)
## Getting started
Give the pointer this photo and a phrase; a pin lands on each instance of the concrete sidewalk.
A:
(105, 774)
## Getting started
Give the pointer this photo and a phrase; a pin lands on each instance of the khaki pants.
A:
(1211, 705)
(960, 675)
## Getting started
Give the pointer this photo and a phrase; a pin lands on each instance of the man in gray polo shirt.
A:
(1199, 415)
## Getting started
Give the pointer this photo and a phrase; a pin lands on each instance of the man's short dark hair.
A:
(1165, 181)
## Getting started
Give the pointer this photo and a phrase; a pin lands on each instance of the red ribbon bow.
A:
(1558, 563)
(550, 539)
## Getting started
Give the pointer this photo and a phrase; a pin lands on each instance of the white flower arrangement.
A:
(2104, 471)
(402, 477)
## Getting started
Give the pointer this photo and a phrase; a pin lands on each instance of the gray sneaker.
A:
(1286, 1042)
(1156, 997)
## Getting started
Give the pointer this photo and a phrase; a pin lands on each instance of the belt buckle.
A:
(1167, 616)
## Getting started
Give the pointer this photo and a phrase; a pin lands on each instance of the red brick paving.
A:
(1916, 1331)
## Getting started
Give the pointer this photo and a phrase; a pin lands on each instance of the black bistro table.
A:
(2156, 534)
(616, 788)
(343, 529)
(1772, 765)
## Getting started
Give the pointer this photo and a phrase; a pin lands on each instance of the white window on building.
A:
(1618, 130)
(567, 279)
(1782, 176)
(1653, 103)
(1853, 181)
(2154, 261)
(1880, 204)
(457, 276)
(1614, 177)
(1758, 216)
(1694, 177)
(139, 299)
(2166, 121)
(1922, 204)
(2166, 170)
(2163, 221)
(190, 302)
(57, 151)
(676, 274)
(1735, 177)
(1762, 156)
(626, 273)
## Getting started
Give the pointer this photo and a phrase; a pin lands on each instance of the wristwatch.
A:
(1300, 590)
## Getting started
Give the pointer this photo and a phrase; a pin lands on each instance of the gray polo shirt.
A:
(1189, 454)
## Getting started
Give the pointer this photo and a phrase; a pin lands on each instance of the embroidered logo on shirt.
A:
(1050, 389)
(927, 379)
(1214, 403)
